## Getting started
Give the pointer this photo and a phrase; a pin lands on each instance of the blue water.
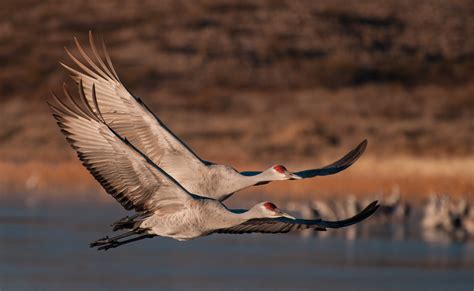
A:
(46, 248)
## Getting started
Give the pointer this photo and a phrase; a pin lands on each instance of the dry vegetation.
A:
(254, 83)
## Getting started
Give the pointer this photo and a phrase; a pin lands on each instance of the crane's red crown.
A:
(270, 206)
(280, 169)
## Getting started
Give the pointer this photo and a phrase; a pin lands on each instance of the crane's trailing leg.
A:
(115, 243)
(107, 240)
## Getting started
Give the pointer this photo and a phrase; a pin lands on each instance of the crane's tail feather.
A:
(129, 222)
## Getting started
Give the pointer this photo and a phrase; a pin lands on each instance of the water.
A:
(46, 248)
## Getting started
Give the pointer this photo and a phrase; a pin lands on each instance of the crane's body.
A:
(200, 217)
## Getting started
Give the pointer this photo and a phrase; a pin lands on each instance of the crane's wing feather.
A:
(283, 225)
(124, 172)
(339, 165)
(128, 115)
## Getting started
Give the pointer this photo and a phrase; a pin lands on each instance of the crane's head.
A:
(270, 210)
(279, 172)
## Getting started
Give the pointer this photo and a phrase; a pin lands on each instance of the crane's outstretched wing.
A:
(124, 172)
(129, 116)
(284, 225)
(339, 165)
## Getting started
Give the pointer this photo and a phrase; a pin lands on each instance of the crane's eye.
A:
(270, 206)
(280, 169)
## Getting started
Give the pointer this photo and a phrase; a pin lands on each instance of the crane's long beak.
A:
(293, 176)
(284, 214)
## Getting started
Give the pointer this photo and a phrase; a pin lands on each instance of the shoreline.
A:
(414, 178)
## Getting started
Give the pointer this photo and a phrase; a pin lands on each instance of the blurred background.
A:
(252, 84)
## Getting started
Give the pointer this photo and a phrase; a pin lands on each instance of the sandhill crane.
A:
(138, 183)
(133, 120)
(469, 221)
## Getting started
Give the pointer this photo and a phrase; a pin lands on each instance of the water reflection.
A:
(46, 247)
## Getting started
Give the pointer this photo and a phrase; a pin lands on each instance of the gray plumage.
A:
(167, 209)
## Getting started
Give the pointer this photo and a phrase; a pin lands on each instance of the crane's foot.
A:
(107, 240)
(100, 241)
(115, 243)
(110, 245)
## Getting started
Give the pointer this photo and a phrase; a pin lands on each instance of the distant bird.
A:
(393, 209)
(438, 214)
(469, 221)
(167, 208)
(133, 120)
(444, 216)
(431, 214)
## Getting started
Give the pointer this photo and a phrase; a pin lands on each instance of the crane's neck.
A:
(231, 218)
(231, 182)
(259, 179)
(241, 182)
